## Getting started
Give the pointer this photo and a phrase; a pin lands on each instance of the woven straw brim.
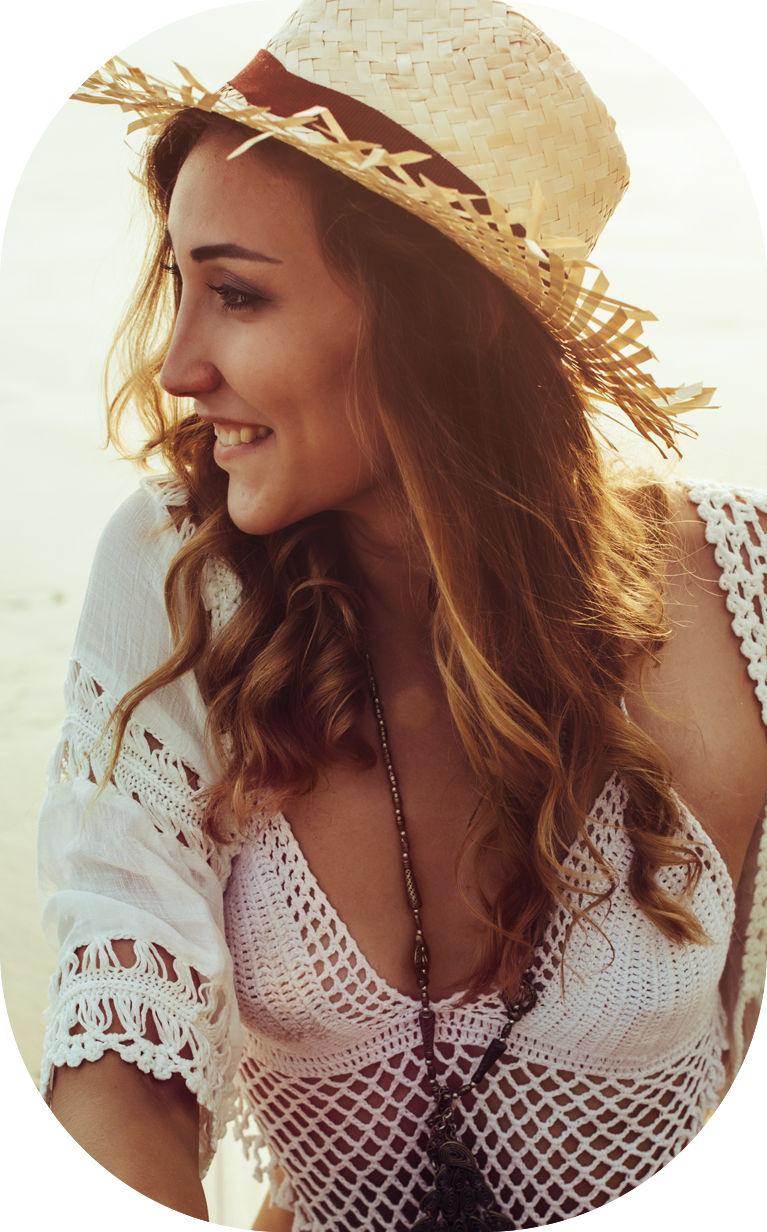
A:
(600, 335)
(479, 83)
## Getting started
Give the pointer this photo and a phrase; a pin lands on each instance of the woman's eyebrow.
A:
(208, 252)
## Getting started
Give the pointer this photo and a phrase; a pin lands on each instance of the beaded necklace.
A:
(461, 1200)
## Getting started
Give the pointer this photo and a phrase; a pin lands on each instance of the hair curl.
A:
(546, 573)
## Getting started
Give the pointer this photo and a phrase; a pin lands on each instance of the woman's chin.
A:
(251, 523)
(257, 516)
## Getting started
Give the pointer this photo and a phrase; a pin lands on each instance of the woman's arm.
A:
(143, 1029)
(142, 1130)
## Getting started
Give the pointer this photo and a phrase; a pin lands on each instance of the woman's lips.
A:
(245, 435)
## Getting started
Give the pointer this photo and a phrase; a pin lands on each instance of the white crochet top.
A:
(271, 1012)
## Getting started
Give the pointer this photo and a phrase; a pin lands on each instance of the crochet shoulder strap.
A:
(736, 525)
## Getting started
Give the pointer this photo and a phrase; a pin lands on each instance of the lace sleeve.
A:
(133, 865)
(737, 532)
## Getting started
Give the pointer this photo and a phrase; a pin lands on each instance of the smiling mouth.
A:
(241, 436)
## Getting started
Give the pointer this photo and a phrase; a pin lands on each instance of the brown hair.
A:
(546, 574)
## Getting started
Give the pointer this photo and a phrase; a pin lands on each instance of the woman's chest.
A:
(348, 835)
(309, 989)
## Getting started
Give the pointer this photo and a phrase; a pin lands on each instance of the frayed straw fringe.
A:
(566, 292)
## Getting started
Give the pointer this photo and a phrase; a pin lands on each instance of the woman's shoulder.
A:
(716, 577)
(137, 547)
(715, 675)
(151, 520)
(704, 697)
(123, 626)
(141, 538)
(124, 632)
(164, 505)
(124, 603)
(154, 513)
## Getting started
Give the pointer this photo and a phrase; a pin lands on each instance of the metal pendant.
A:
(461, 1200)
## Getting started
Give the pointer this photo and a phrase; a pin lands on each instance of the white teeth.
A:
(242, 436)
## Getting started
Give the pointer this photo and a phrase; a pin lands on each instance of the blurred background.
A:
(685, 242)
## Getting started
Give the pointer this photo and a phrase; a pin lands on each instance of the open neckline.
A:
(384, 988)
(348, 942)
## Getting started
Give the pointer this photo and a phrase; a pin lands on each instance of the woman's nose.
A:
(185, 373)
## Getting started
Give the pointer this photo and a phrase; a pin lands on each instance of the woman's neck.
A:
(396, 575)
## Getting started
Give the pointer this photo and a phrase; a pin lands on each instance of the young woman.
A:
(393, 664)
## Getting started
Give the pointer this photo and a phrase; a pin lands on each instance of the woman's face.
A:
(263, 340)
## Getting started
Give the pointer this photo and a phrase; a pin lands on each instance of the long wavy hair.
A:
(546, 574)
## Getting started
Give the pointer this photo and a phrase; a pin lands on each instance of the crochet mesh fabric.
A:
(602, 1084)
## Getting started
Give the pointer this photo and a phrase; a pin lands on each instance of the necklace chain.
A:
(515, 1010)
(459, 1188)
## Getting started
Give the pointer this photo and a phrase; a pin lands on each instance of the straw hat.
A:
(471, 118)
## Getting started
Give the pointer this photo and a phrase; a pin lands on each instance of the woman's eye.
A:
(233, 298)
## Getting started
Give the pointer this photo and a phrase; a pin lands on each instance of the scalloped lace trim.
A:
(221, 592)
(167, 489)
(93, 990)
(221, 588)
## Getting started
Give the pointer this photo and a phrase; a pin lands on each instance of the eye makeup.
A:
(233, 298)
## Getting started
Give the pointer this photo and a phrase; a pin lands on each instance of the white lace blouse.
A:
(271, 1012)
